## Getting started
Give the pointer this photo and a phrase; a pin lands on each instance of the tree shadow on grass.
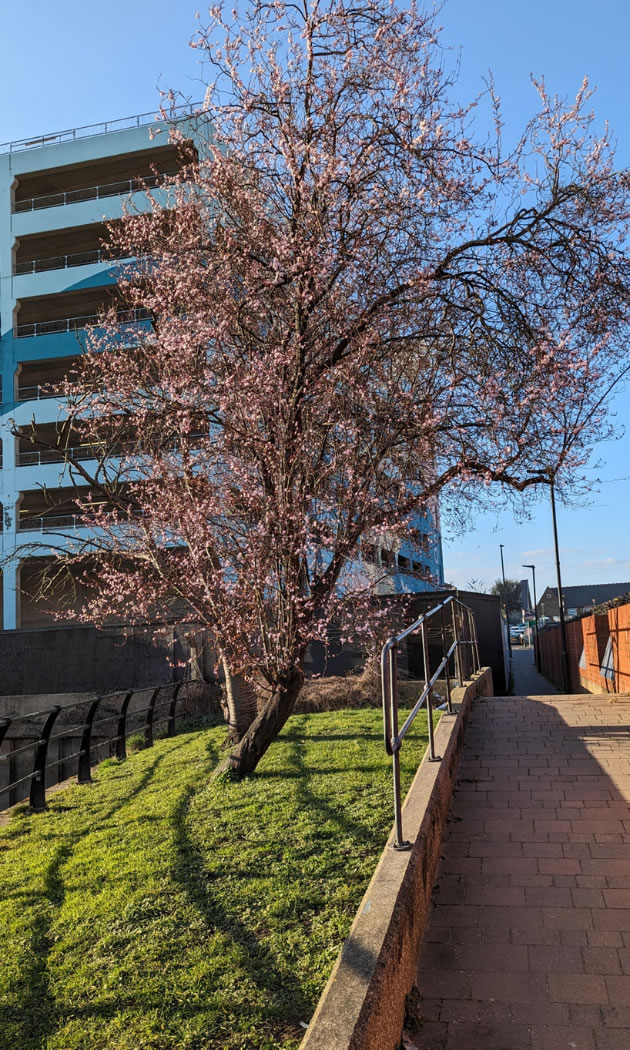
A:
(350, 825)
(332, 737)
(193, 875)
(35, 1016)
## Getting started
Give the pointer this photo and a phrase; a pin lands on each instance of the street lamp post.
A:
(563, 626)
(537, 658)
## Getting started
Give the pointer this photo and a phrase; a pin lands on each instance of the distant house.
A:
(580, 599)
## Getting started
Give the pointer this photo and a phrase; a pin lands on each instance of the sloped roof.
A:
(587, 594)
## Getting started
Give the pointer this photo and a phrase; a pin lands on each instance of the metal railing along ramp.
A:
(84, 724)
(458, 621)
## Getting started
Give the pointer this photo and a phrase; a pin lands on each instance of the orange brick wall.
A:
(590, 633)
(619, 620)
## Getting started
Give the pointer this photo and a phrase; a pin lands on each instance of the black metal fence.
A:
(125, 720)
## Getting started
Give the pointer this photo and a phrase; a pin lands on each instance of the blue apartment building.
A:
(56, 194)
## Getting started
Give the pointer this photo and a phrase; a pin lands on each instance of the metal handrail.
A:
(37, 778)
(39, 457)
(87, 130)
(62, 262)
(464, 635)
(72, 324)
(52, 522)
(91, 193)
(40, 392)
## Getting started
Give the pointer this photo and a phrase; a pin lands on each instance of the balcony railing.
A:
(60, 262)
(51, 522)
(90, 193)
(38, 393)
(38, 457)
(72, 324)
(137, 121)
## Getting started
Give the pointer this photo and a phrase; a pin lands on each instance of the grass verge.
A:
(158, 909)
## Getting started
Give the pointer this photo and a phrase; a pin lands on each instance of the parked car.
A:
(517, 633)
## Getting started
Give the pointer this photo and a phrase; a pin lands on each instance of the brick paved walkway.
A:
(527, 680)
(528, 946)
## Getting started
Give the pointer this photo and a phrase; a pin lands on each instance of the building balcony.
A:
(38, 393)
(39, 457)
(51, 523)
(114, 175)
(55, 509)
(43, 380)
(88, 193)
(73, 324)
(60, 262)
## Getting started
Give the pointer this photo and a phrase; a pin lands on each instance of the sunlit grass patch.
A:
(159, 908)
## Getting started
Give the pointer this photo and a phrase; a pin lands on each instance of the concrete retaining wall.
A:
(363, 1004)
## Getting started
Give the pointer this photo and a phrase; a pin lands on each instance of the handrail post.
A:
(427, 678)
(458, 656)
(121, 730)
(170, 725)
(148, 725)
(37, 800)
(400, 843)
(447, 670)
(465, 655)
(387, 731)
(475, 639)
(84, 774)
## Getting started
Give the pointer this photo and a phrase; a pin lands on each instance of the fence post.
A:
(467, 654)
(447, 670)
(121, 731)
(37, 800)
(473, 631)
(170, 725)
(458, 655)
(400, 843)
(84, 775)
(148, 725)
(427, 678)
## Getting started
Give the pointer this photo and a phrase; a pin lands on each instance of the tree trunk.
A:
(265, 728)
(240, 703)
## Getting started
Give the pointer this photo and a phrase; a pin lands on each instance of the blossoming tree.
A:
(356, 307)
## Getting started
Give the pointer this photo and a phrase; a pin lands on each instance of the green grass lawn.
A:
(157, 908)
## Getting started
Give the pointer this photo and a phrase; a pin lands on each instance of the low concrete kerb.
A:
(363, 1004)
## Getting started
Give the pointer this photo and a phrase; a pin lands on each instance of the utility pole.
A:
(537, 657)
(563, 626)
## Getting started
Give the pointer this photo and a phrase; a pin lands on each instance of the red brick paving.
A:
(528, 945)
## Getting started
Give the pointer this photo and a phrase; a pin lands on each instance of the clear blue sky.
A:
(69, 63)
(564, 40)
